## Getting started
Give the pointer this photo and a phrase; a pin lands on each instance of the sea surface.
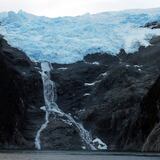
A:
(75, 155)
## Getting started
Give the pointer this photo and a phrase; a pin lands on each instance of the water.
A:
(51, 108)
(71, 155)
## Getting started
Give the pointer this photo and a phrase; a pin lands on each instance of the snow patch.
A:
(127, 65)
(101, 145)
(138, 66)
(86, 94)
(92, 63)
(91, 84)
(96, 63)
(83, 147)
(104, 74)
(63, 68)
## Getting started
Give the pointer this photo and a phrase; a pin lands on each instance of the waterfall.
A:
(51, 108)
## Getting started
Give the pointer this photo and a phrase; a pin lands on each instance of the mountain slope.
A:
(20, 98)
(151, 105)
(109, 94)
(116, 98)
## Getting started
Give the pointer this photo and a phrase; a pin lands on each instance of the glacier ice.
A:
(69, 39)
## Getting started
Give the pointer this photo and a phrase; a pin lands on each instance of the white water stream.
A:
(49, 91)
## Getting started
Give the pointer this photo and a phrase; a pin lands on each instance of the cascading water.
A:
(49, 91)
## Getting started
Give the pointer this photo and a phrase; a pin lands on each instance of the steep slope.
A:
(20, 97)
(151, 117)
(116, 98)
(107, 93)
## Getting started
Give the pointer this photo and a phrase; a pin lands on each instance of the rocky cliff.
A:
(116, 98)
(151, 117)
(20, 97)
(108, 93)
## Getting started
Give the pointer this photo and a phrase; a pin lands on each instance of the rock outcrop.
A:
(153, 25)
(151, 118)
(115, 97)
(20, 98)
(107, 93)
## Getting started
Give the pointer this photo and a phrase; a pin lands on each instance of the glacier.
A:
(69, 39)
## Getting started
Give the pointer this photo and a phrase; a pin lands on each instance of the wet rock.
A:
(152, 143)
(107, 96)
(20, 92)
(153, 25)
(115, 97)
(151, 118)
(60, 136)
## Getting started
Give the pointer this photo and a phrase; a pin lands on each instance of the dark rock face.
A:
(153, 25)
(20, 95)
(152, 143)
(107, 93)
(59, 135)
(117, 99)
(151, 118)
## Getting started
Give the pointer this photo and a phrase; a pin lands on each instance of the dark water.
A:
(61, 155)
